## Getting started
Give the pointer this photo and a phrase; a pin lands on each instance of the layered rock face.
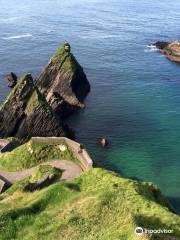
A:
(26, 113)
(170, 49)
(63, 82)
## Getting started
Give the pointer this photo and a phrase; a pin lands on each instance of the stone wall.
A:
(81, 154)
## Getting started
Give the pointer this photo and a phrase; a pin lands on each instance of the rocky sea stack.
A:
(26, 113)
(63, 82)
(12, 80)
(37, 108)
(170, 49)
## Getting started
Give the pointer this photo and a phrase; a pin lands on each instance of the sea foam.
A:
(18, 36)
(151, 48)
(8, 20)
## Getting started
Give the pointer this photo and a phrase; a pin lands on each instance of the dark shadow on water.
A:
(175, 203)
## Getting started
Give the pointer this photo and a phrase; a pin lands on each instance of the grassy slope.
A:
(97, 205)
(40, 172)
(31, 154)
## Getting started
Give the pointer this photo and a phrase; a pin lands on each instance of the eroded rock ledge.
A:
(170, 49)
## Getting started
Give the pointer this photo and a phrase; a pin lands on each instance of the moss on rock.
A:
(36, 100)
(25, 81)
(67, 61)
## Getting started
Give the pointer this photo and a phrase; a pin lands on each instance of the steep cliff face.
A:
(25, 113)
(63, 82)
(170, 49)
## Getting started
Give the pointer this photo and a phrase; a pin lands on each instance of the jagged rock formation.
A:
(25, 113)
(37, 109)
(63, 82)
(170, 49)
(12, 80)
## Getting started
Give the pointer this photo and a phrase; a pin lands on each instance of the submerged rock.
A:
(170, 49)
(26, 113)
(12, 80)
(63, 82)
(104, 142)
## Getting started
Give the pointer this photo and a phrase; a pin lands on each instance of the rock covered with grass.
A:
(64, 82)
(26, 113)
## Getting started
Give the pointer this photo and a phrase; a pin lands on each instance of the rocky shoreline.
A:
(170, 49)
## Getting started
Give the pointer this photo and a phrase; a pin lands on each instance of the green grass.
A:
(33, 95)
(98, 205)
(66, 61)
(35, 100)
(33, 153)
(32, 103)
(45, 170)
(40, 172)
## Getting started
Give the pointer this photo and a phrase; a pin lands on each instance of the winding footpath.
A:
(70, 171)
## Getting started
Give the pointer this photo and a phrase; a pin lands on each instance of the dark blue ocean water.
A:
(135, 97)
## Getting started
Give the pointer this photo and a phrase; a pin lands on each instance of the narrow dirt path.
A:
(70, 171)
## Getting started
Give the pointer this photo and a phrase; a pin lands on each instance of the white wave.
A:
(7, 20)
(151, 48)
(99, 36)
(18, 36)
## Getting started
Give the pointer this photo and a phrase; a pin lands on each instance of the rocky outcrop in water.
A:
(26, 113)
(12, 80)
(170, 49)
(63, 82)
(37, 109)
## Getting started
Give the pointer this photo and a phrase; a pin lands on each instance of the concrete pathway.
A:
(70, 171)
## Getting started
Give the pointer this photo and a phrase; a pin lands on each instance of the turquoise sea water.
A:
(135, 97)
